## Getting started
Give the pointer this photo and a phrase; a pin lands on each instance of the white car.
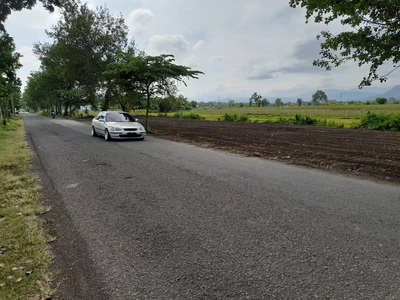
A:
(117, 125)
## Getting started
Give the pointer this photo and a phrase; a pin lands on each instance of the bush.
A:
(235, 118)
(189, 116)
(381, 121)
(381, 100)
(177, 115)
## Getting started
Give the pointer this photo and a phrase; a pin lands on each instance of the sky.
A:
(242, 46)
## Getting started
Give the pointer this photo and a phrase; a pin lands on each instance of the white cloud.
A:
(169, 44)
(198, 45)
(232, 42)
(28, 60)
(138, 19)
(216, 59)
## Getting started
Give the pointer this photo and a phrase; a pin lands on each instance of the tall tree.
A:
(265, 102)
(9, 82)
(319, 97)
(86, 42)
(279, 102)
(256, 99)
(372, 40)
(299, 102)
(147, 74)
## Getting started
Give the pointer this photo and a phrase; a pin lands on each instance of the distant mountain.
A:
(346, 95)
(367, 93)
(393, 92)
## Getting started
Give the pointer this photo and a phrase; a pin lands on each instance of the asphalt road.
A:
(164, 220)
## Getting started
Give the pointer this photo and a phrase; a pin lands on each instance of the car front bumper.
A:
(127, 135)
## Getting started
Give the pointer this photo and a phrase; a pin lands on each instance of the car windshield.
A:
(119, 117)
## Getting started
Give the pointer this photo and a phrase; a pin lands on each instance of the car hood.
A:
(125, 124)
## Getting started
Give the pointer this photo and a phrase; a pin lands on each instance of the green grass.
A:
(333, 115)
(346, 115)
(25, 257)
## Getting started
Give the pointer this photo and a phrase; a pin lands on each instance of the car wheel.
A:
(93, 131)
(107, 136)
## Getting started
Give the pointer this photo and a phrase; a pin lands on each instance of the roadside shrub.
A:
(235, 118)
(382, 121)
(301, 120)
(177, 115)
(189, 116)
(192, 116)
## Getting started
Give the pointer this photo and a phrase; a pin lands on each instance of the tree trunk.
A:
(121, 103)
(66, 110)
(107, 97)
(147, 106)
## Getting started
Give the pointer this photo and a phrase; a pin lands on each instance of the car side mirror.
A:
(136, 120)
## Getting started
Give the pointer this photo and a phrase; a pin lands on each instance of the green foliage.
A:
(299, 102)
(235, 118)
(307, 120)
(381, 100)
(381, 121)
(72, 65)
(9, 82)
(279, 102)
(256, 99)
(319, 97)
(265, 102)
(372, 38)
(189, 116)
(147, 74)
(24, 246)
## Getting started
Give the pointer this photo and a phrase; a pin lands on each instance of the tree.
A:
(279, 102)
(9, 82)
(231, 103)
(381, 100)
(319, 97)
(299, 101)
(147, 74)
(373, 39)
(265, 102)
(256, 99)
(6, 6)
(85, 42)
(392, 100)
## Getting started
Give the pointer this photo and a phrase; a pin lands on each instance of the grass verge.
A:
(25, 256)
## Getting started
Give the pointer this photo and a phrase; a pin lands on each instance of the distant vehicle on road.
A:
(117, 125)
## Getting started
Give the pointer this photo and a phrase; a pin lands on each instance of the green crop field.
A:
(348, 115)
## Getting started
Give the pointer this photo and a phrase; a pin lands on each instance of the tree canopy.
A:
(9, 82)
(372, 40)
(319, 97)
(148, 74)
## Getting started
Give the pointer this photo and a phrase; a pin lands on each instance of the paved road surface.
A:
(163, 220)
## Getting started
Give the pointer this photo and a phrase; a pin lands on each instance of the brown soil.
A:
(364, 153)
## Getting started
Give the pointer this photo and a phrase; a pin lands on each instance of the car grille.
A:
(130, 129)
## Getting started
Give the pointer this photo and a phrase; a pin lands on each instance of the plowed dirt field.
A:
(356, 152)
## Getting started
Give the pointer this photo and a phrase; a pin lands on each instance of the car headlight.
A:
(141, 128)
(114, 128)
